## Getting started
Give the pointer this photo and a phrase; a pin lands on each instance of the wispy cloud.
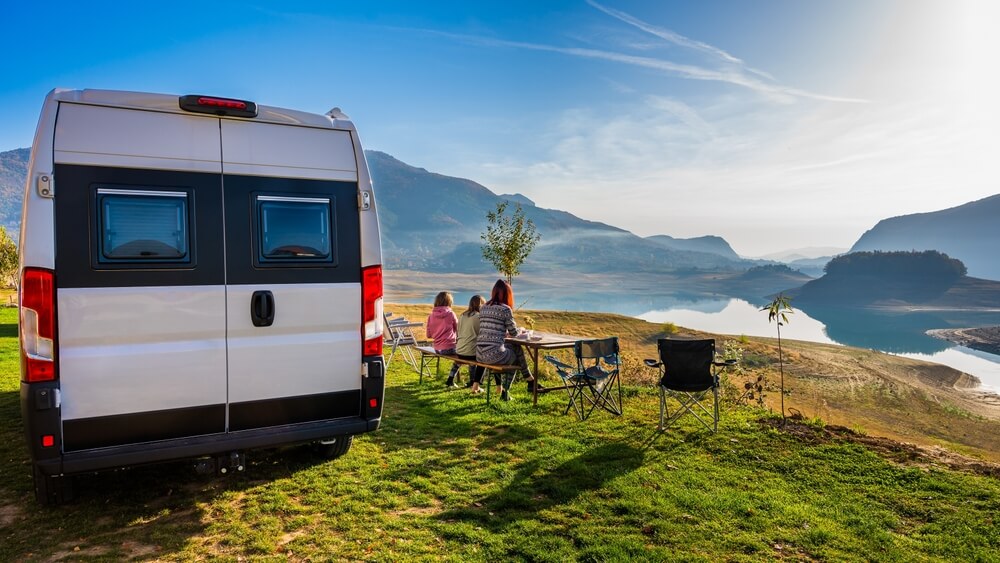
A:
(666, 34)
(729, 75)
(676, 38)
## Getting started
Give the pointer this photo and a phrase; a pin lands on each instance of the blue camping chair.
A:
(594, 381)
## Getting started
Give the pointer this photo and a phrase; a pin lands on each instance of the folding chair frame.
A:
(690, 401)
(569, 377)
(592, 385)
(687, 401)
(401, 337)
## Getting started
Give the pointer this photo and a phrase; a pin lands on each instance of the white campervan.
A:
(199, 276)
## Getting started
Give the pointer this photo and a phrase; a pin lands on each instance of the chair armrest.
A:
(651, 363)
(559, 365)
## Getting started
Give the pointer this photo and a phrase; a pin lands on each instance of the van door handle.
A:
(262, 308)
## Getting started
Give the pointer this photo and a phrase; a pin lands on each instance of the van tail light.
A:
(372, 322)
(38, 325)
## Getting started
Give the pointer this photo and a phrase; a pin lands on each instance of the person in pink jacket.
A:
(442, 327)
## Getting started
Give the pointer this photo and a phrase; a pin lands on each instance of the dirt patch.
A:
(77, 552)
(136, 550)
(417, 511)
(9, 513)
(288, 538)
(434, 508)
(898, 452)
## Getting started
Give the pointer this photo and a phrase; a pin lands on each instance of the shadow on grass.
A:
(534, 489)
(143, 512)
(8, 330)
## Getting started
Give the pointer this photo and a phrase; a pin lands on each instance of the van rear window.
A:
(295, 230)
(139, 226)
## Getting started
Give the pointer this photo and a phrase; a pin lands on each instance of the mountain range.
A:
(13, 170)
(433, 222)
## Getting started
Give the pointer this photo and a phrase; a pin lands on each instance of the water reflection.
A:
(896, 333)
(622, 303)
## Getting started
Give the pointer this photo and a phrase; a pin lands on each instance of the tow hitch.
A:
(233, 462)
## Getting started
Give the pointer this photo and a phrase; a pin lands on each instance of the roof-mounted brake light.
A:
(218, 106)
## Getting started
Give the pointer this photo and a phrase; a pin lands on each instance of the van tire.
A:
(337, 447)
(52, 490)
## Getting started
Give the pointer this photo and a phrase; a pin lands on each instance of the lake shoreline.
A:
(984, 339)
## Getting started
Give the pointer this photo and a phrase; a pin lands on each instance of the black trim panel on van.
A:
(150, 426)
(243, 238)
(193, 446)
(76, 228)
(294, 410)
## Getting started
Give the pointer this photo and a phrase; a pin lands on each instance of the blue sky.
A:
(776, 124)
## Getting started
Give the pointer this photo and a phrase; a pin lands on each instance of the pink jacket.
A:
(442, 326)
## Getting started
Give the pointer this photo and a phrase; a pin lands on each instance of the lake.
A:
(902, 334)
(895, 333)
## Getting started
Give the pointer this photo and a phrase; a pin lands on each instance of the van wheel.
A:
(334, 448)
(52, 490)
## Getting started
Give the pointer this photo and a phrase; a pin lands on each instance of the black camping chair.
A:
(688, 372)
(594, 382)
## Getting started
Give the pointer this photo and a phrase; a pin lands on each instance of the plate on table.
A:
(535, 338)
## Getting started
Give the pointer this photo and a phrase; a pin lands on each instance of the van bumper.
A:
(182, 448)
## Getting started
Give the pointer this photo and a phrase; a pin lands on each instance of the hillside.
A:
(969, 232)
(434, 222)
(13, 169)
(710, 244)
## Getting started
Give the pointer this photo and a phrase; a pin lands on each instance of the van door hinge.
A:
(44, 185)
(364, 200)
(364, 369)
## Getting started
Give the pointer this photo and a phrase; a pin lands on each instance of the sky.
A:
(777, 124)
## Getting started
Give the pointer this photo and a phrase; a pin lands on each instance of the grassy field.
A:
(448, 478)
(879, 394)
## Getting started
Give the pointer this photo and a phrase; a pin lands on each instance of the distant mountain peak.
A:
(804, 253)
(710, 243)
(518, 198)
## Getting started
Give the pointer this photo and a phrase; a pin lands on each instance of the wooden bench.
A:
(427, 354)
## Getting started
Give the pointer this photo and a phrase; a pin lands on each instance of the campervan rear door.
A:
(140, 275)
(293, 268)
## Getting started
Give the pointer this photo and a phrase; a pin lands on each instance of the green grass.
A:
(449, 478)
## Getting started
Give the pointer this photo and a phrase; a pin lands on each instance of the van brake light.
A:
(371, 310)
(38, 325)
(218, 106)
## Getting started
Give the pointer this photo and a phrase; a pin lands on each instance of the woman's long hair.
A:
(502, 294)
(475, 304)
